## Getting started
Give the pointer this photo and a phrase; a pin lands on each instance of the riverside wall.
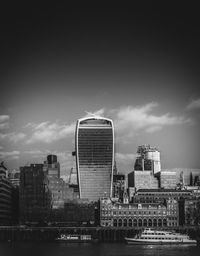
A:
(102, 234)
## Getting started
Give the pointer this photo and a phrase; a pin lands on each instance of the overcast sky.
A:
(138, 67)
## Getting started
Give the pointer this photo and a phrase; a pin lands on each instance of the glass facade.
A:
(94, 156)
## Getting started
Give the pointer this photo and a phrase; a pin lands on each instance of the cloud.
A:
(99, 112)
(49, 132)
(123, 158)
(4, 126)
(194, 104)
(131, 120)
(4, 122)
(10, 155)
(13, 136)
(4, 118)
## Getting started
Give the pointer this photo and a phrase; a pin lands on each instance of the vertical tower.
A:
(95, 157)
(52, 166)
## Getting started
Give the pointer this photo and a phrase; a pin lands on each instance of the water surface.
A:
(99, 249)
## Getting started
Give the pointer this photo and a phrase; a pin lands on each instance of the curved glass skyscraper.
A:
(95, 157)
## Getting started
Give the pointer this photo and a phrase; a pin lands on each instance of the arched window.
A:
(119, 222)
(140, 223)
(159, 222)
(115, 223)
(125, 222)
(154, 222)
(130, 223)
(145, 222)
(135, 223)
(150, 223)
(164, 222)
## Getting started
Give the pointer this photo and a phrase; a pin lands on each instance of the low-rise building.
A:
(168, 180)
(143, 179)
(192, 211)
(159, 195)
(118, 186)
(138, 215)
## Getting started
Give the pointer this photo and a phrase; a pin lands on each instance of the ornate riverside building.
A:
(138, 215)
(95, 157)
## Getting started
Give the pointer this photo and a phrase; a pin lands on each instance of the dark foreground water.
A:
(99, 249)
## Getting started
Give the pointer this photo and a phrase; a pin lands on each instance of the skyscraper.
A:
(52, 166)
(95, 157)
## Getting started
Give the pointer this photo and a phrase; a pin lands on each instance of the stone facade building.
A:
(139, 215)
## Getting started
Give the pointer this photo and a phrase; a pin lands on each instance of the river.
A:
(99, 249)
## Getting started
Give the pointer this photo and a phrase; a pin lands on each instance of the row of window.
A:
(134, 213)
(135, 223)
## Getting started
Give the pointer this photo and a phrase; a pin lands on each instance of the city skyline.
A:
(138, 68)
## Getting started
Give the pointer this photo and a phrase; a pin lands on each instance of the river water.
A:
(99, 249)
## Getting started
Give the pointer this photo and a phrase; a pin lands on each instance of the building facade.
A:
(143, 179)
(34, 196)
(159, 195)
(192, 211)
(138, 215)
(5, 197)
(52, 166)
(118, 186)
(95, 157)
(168, 180)
(148, 159)
(14, 177)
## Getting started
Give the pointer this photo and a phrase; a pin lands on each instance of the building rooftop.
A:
(161, 190)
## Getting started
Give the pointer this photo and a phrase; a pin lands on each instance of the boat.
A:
(150, 236)
(75, 238)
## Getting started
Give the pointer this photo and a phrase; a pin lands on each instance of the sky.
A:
(138, 66)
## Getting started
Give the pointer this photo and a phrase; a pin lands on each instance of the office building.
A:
(168, 180)
(118, 186)
(59, 191)
(191, 212)
(142, 179)
(5, 197)
(52, 166)
(147, 168)
(34, 196)
(80, 212)
(148, 159)
(95, 157)
(159, 195)
(14, 177)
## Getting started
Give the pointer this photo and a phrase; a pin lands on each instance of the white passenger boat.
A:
(75, 238)
(149, 236)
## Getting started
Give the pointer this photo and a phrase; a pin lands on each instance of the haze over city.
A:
(138, 67)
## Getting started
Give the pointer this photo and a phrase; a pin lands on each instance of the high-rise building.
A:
(148, 160)
(52, 166)
(95, 157)
(5, 197)
(14, 177)
(147, 168)
(34, 195)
